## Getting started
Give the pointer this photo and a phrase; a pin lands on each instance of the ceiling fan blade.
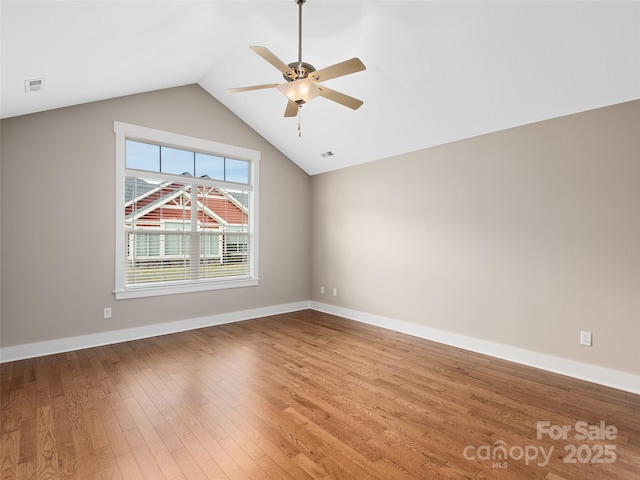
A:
(338, 70)
(254, 87)
(341, 98)
(292, 109)
(265, 53)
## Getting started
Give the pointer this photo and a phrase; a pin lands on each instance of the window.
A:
(186, 213)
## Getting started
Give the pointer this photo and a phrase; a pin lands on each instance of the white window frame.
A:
(124, 131)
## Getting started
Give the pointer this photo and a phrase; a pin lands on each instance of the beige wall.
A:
(523, 237)
(58, 186)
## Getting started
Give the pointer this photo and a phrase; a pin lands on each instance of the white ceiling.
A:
(436, 71)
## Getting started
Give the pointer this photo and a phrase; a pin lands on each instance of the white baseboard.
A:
(49, 347)
(571, 368)
(583, 371)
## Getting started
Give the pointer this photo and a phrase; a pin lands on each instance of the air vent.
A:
(327, 154)
(33, 85)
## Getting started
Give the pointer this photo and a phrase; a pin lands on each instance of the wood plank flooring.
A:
(302, 396)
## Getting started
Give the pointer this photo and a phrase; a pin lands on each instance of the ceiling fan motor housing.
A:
(301, 69)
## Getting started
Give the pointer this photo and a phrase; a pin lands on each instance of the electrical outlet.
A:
(335, 292)
(322, 290)
(107, 312)
(585, 338)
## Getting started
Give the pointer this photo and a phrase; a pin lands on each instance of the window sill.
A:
(148, 291)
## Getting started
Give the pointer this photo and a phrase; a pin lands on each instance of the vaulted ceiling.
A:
(436, 71)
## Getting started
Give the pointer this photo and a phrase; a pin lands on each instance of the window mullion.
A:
(194, 237)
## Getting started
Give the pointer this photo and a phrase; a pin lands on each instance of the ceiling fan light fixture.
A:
(300, 91)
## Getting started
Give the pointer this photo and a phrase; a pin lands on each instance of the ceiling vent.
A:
(327, 154)
(33, 85)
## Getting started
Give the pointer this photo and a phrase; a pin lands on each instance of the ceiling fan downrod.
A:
(301, 69)
(300, 3)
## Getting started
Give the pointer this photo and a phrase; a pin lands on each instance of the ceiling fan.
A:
(302, 78)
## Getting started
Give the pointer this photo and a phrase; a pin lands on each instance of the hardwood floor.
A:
(305, 396)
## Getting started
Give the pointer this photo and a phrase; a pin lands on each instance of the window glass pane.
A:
(241, 197)
(210, 246)
(147, 245)
(137, 187)
(176, 161)
(211, 208)
(142, 156)
(174, 244)
(236, 243)
(153, 203)
(209, 166)
(176, 226)
(236, 171)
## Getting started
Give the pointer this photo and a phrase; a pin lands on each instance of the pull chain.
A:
(299, 121)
